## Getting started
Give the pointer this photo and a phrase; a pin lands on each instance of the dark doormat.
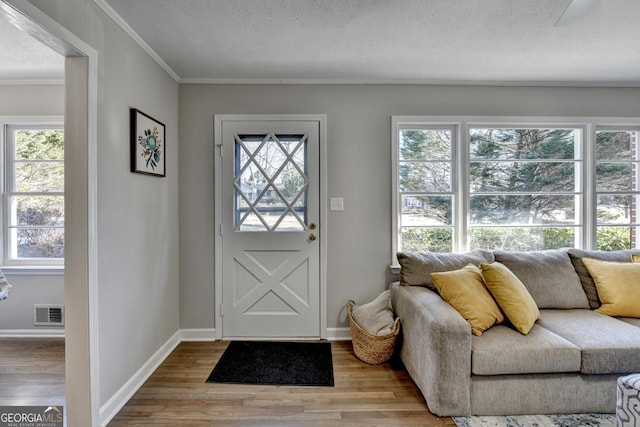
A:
(275, 363)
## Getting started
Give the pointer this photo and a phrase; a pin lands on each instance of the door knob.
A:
(312, 236)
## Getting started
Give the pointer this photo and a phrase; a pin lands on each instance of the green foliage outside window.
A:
(418, 239)
(614, 238)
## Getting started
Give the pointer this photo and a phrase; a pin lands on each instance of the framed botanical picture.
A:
(148, 149)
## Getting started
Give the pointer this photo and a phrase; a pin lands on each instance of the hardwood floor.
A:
(177, 395)
(32, 373)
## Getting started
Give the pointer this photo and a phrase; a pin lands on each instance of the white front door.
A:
(270, 240)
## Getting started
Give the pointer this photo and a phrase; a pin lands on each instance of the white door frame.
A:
(81, 280)
(217, 138)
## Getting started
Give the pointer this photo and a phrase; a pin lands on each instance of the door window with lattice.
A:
(270, 182)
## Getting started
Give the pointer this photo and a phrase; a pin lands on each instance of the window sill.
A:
(395, 269)
(25, 270)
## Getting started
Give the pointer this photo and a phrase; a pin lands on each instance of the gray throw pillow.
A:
(375, 317)
(549, 277)
(416, 267)
(588, 285)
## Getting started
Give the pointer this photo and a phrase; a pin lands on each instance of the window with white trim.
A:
(426, 187)
(33, 214)
(523, 187)
(464, 183)
(616, 187)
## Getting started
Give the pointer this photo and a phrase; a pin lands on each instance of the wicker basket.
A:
(372, 349)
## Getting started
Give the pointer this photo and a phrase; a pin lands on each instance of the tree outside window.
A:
(522, 188)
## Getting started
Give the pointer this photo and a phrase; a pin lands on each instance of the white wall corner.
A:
(339, 334)
(111, 408)
(198, 334)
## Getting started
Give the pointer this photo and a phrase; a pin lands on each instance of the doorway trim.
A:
(81, 278)
(217, 140)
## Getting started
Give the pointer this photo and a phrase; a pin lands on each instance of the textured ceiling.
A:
(24, 59)
(422, 41)
(367, 41)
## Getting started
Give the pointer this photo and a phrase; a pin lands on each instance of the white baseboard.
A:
(209, 334)
(202, 334)
(31, 333)
(111, 408)
(339, 334)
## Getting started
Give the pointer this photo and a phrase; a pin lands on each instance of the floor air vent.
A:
(48, 314)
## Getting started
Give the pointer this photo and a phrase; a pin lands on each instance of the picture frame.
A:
(148, 144)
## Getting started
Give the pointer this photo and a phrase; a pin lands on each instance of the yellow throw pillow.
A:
(512, 296)
(618, 286)
(635, 258)
(466, 292)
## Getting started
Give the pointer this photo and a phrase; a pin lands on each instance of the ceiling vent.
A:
(48, 315)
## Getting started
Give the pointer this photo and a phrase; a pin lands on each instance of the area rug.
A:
(275, 363)
(564, 420)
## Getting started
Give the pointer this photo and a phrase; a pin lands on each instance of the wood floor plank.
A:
(176, 394)
(363, 395)
(32, 371)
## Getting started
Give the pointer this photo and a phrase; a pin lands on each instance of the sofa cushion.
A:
(630, 320)
(607, 345)
(501, 350)
(618, 285)
(588, 285)
(549, 277)
(511, 295)
(466, 292)
(416, 267)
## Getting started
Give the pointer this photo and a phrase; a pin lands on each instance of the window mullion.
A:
(462, 217)
(589, 200)
(8, 185)
(396, 208)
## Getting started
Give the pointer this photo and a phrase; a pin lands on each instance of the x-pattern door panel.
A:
(274, 290)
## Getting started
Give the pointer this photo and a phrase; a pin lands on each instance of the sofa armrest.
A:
(435, 347)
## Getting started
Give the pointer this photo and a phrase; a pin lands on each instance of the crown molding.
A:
(130, 31)
(421, 82)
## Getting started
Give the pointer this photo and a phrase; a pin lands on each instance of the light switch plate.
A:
(336, 204)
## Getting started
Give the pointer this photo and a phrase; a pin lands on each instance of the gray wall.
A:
(359, 167)
(137, 218)
(16, 312)
(30, 100)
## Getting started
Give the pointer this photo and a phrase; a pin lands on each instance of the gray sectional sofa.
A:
(568, 363)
